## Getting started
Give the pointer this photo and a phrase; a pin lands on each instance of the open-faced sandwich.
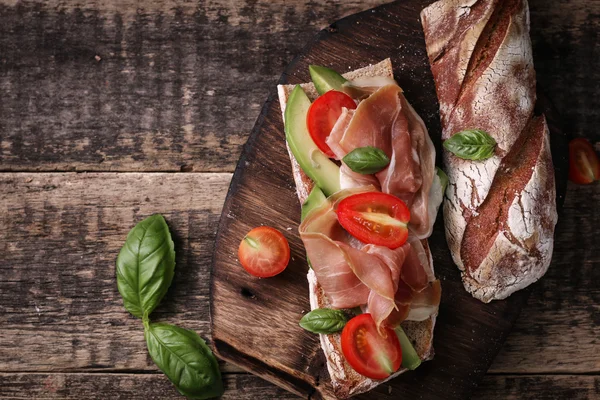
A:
(365, 173)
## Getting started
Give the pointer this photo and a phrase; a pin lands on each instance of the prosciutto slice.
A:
(353, 274)
(426, 302)
(387, 121)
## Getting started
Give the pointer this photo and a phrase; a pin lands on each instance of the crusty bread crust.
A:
(345, 381)
(499, 213)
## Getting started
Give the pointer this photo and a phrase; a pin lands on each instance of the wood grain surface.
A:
(64, 333)
(172, 85)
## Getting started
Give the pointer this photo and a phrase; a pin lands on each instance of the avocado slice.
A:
(314, 200)
(324, 172)
(410, 358)
(325, 79)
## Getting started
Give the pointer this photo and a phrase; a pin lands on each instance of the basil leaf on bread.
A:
(324, 320)
(471, 144)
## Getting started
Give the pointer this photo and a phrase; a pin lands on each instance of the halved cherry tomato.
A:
(323, 114)
(264, 252)
(375, 218)
(372, 354)
(584, 166)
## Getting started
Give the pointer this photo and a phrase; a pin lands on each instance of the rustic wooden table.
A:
(111, 110)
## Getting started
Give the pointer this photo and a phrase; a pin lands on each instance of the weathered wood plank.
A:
(126, 386)
(60, 234)
(539, 387)
(158, 86)
(59, 238)
(248, 387)
(107, 85)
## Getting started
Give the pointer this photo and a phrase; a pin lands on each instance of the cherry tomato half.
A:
(323, 114)
(264, 252)
(371, 354)
(375, 218)
(584, 166)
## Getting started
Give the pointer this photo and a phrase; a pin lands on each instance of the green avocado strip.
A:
(325, 79)
(324, 172)
(410, 358)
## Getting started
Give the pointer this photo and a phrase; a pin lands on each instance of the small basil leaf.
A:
(145, 266)
(366, 160)
(443, 178)
(473, 144)
(324, 320)
(186, 360)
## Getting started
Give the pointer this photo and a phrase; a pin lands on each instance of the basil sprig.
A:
(472, 144)
(366, 160)
(186, 360)
(145, 268)
(145, 265)
(324, 320)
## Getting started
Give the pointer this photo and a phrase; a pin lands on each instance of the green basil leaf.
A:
(186, 359)
(324, 320)
(366, 160)
(145, 266)
(473, 144)
(443, 178)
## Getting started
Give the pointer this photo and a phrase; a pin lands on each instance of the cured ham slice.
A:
(403, 300)
(387, 121)
(361, 88)
(426, 302)
(379, 306)
(337, 279)
(415, 271)
(353, 274)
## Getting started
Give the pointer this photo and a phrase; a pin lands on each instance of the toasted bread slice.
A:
(345, 381)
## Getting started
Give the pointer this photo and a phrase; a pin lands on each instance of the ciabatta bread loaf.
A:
(499, 213)
(345, 381)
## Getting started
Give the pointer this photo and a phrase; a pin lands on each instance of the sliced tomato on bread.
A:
(375, 218)
(371, 353)
(323, 114)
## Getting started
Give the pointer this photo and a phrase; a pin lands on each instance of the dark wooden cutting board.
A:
(255, 321)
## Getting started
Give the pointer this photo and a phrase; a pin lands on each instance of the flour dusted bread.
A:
(345, 381)
(499, 213)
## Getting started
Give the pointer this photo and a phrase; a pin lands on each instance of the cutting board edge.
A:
(291, 383)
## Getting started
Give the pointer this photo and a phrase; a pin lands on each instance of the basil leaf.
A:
(145, 266)
(366, 160)
(443, 178)
(324, 320)
(186, 360)
(473, 144)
